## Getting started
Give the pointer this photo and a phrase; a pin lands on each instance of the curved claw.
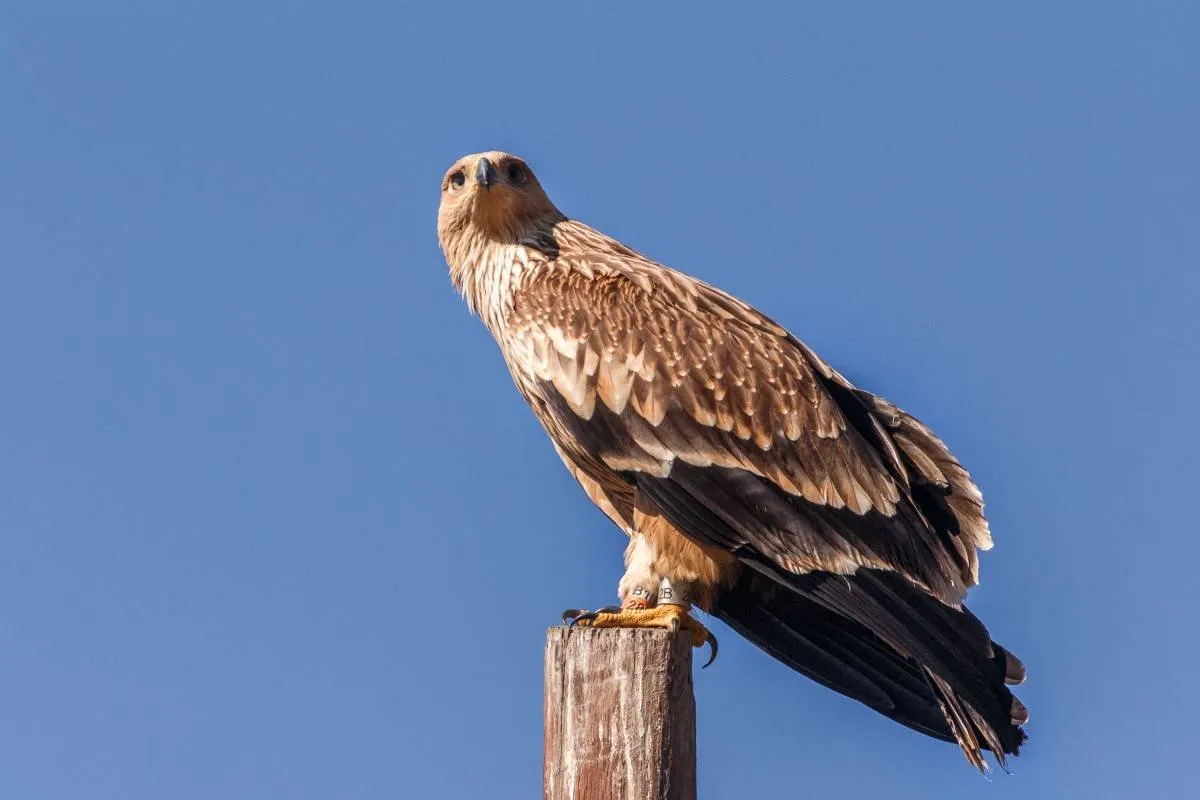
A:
(574, 615)
(712, 656)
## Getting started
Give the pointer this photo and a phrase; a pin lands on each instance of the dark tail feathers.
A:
(877, 638)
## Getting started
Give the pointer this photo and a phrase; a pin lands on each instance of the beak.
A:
(485, 173)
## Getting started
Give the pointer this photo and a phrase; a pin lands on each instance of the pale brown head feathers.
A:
(493, 197)
(492, 206)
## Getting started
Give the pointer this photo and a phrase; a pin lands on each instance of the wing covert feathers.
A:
(643, 368)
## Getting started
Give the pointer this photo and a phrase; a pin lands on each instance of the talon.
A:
(712, 655)
(573, 616)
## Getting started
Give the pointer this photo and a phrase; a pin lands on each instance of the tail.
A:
(877, 638)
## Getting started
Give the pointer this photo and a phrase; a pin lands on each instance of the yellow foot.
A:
(667, 617)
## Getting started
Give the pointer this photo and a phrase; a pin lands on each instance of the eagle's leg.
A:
(670, 614)
(648, 600)
(639, 585)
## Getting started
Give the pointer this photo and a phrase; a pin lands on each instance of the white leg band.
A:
(672, 595)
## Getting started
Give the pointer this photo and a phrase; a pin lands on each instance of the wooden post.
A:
(620, 716)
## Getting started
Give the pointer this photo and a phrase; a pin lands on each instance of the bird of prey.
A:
(821, 522)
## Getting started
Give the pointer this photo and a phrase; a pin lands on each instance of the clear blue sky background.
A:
(273, 522)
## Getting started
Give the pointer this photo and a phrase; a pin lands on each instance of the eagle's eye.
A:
(515, 173)
(457, 179)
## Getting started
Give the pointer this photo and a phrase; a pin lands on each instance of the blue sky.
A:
(275, 524)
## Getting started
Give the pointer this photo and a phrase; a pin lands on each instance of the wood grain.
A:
(620, 717)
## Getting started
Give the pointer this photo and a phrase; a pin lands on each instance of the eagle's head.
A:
(490, 202)
(491, 197)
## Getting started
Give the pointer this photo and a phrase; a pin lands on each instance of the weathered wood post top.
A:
(620, 718)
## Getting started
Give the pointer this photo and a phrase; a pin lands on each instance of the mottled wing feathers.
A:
(643, 371)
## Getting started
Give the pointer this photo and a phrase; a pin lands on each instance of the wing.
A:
(742, 435)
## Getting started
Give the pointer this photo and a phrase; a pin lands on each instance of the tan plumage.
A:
(738, 460)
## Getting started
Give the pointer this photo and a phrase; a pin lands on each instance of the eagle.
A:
(824, 524)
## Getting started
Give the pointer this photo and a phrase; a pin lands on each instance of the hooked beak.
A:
(485, 173)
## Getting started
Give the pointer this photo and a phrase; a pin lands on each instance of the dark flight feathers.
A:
(876, 638)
